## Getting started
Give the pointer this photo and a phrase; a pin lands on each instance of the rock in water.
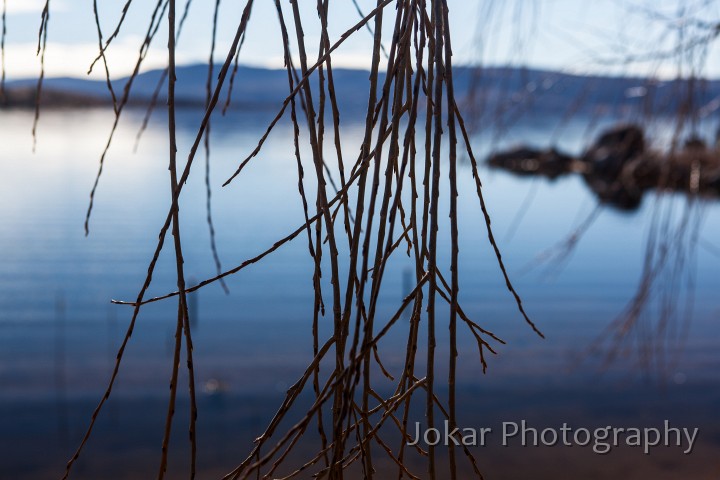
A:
(525, 160)
(613, 150)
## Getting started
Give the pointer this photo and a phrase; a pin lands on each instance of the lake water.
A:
(59, 333)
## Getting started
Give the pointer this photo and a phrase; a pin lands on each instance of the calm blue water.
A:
(59, 333)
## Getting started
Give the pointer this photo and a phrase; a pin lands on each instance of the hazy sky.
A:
(574, 35)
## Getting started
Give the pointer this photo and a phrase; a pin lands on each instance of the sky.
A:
(579, 36)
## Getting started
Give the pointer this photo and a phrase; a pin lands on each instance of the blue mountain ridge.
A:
(498, 89)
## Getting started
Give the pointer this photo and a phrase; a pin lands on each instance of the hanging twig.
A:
(42, 46)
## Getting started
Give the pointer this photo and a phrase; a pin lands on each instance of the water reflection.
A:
(61, 394)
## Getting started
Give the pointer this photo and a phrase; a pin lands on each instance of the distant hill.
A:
(495, 90)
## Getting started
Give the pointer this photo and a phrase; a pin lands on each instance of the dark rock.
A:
(613, 150)
(619, 168)
(530, 161)
(644, 171)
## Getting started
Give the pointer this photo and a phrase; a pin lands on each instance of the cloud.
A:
(32, 6)
(73, 60)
